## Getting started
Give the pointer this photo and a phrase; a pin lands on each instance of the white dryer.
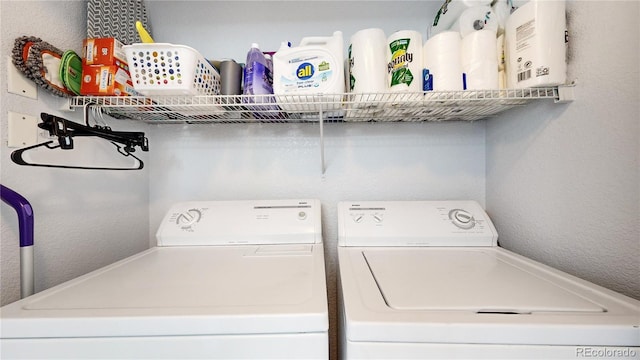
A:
(228, 279)
(423, 279)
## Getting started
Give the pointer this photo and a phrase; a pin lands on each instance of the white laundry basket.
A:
(167, 69)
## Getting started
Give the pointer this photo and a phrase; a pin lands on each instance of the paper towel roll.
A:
(449, 13)
(443, 61)
(479, 46)
(476, 18)
(368, 65)
(480, 60)
(404, 56)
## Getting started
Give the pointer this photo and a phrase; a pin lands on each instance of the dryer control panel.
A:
(241, 222)
(414, 223)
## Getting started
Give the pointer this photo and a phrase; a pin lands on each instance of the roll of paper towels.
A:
(535, 38)
(480, 60)
(476, 18)
(404, 67)
(443, 62)
(368, 66)
(449, 12)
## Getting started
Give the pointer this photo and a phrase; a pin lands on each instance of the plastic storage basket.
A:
(167, 69)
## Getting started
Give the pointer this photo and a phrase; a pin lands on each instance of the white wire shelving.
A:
(469, 105)
(431, 106)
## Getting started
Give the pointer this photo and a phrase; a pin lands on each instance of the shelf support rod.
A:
(321, 121)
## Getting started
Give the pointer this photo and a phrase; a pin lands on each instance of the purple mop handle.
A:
(25, 214)
(25, 223)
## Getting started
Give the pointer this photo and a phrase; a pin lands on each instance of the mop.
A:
(20, 53)
(40, 62)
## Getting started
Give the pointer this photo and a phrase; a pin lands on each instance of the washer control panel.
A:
(241, 222)
(414, 223)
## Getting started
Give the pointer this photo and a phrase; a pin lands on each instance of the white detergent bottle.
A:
(315, 67)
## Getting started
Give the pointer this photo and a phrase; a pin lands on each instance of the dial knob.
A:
(377, 218)
(462, 219)
(188, 217)
(358, 218)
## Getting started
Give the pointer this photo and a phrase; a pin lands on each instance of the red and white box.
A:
(104, 51)
(106, 80)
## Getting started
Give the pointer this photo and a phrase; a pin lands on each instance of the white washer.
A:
(229, 279)
(425, 280)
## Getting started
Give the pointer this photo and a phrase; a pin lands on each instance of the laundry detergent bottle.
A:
(315, 67)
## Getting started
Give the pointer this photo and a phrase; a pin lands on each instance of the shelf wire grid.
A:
(468, 105)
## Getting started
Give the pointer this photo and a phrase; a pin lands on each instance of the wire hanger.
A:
(66, 130)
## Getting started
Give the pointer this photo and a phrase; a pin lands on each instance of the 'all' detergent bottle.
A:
(315, 67)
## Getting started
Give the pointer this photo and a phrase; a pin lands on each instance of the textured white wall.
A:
(83, 219)
(563, 183)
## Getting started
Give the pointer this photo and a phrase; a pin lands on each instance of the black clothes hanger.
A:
(65, 130)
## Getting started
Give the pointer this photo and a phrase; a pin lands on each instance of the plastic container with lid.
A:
(315, 67)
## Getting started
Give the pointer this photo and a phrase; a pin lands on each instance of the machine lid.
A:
(482, 295)
(182, 291)
(469, 280)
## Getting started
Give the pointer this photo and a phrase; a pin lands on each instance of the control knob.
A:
(462, 219)
(188, 218)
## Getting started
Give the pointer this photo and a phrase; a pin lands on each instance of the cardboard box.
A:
(104, 51)
(106, 80)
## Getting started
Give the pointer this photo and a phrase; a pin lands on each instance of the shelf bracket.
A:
(66, 105)
(565, 94)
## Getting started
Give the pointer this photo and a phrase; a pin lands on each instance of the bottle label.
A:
(258, 79)
(398, 67)
(305, 73)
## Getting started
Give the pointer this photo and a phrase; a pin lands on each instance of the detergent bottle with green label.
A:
(315, 67)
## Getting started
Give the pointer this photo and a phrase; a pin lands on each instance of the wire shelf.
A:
(466, 105)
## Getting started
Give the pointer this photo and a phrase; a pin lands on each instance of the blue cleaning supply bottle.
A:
(258, 82)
